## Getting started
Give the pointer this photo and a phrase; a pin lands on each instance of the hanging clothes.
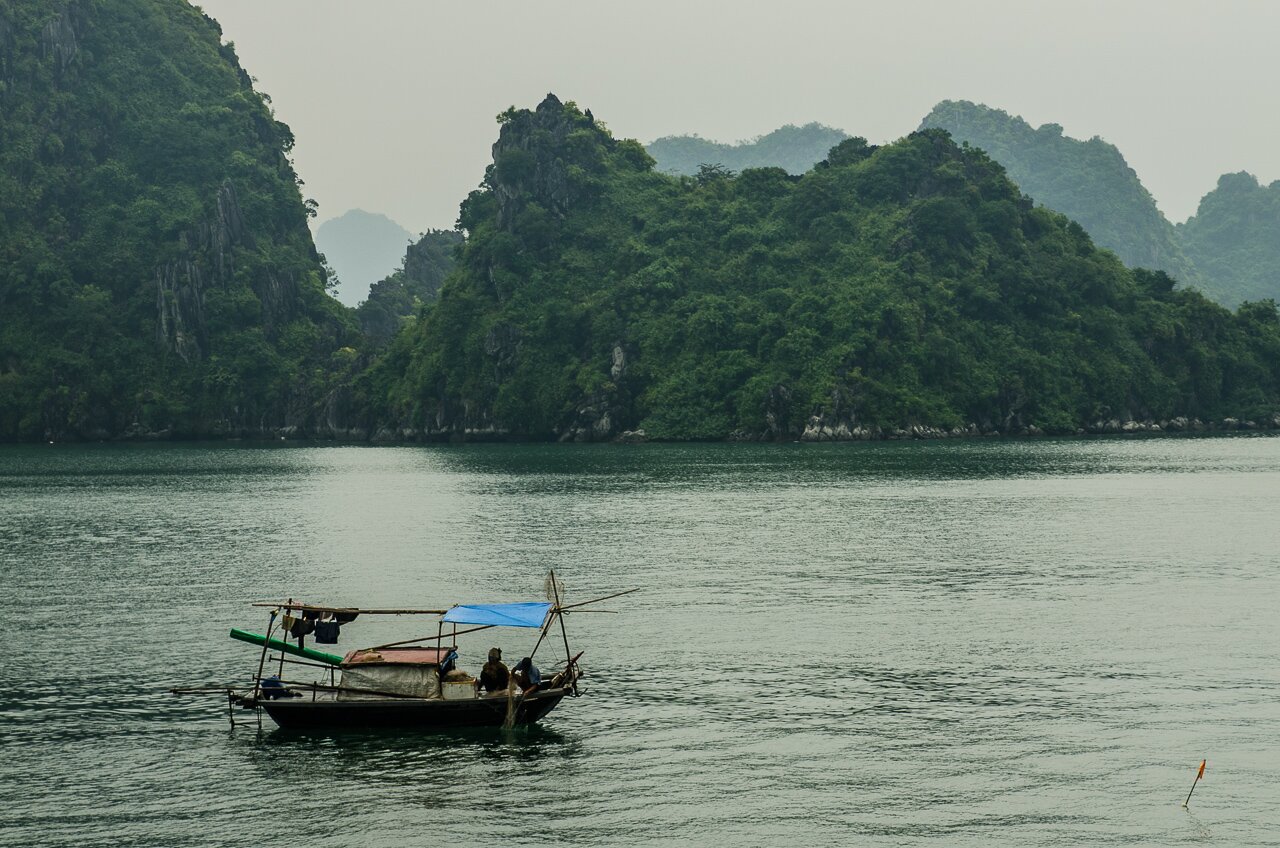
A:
(301, 627)
(327, 631)
(346, 617)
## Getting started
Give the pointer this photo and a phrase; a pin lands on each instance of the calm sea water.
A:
(960, 643)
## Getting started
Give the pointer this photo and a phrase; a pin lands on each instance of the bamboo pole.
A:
(513, 703)
(596, 600)
(283, 661)
(285, 638)
(431, 638)
(314, 608)
(546, 628)
(201, 690)
(266, 640)
(568, 655)
(355, 610)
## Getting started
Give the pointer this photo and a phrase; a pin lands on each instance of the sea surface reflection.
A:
(974, 642)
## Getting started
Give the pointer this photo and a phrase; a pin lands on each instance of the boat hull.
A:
(404, 713)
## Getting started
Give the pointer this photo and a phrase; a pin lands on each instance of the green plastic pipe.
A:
(277, 645)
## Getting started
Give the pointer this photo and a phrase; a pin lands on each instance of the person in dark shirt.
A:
(495, 677)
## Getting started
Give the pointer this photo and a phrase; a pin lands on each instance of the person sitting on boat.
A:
(526, 675)
(495, 677)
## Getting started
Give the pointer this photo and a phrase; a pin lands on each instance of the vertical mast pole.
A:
(286, 638)
(262, 661)
(302, 643)
(568, 656)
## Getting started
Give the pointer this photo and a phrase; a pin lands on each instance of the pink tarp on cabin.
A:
(397, 656)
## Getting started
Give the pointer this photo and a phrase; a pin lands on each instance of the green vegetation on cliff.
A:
(396, 299)
(794, 149)
(1234, 239)
(156, 270)
(1088, 181)
(906, 285)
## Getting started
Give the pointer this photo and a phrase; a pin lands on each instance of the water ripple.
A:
(969, 643)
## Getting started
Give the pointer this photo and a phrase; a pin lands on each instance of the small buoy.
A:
(1194, 783)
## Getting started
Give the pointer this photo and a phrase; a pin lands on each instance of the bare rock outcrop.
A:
(532, 160)
(59, 40)
(207, 259)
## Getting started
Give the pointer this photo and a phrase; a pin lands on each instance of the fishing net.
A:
(550, 586)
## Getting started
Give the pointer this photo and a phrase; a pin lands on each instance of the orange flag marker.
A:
(1199, 775)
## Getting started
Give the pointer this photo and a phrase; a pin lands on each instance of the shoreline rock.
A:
(330, 429)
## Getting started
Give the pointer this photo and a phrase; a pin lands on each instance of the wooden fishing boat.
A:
(399, 685)
(328, 711)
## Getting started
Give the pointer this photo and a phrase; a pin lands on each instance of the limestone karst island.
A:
(680, 423)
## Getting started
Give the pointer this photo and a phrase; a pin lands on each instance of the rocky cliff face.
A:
(156, 268)
(541, 158)
(6, 53)
(58, 40)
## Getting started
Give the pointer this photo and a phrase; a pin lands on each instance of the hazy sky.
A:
(393, 101)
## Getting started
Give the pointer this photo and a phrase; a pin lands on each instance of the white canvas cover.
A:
(416, 679)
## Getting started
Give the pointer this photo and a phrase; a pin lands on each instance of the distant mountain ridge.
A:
(361, 247)
(1088, 181)
(1234, 239)
(1230, 249)
(792, 148)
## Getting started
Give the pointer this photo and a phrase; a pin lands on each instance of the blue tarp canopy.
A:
(500, 615)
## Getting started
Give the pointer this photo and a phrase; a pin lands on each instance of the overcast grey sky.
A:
(393, 101)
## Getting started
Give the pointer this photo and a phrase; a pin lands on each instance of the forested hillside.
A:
(794, 149)
(398, 297)
(890, 289)
(156, 271)
(1088, 181)
(1234, 239)
(158, 279)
